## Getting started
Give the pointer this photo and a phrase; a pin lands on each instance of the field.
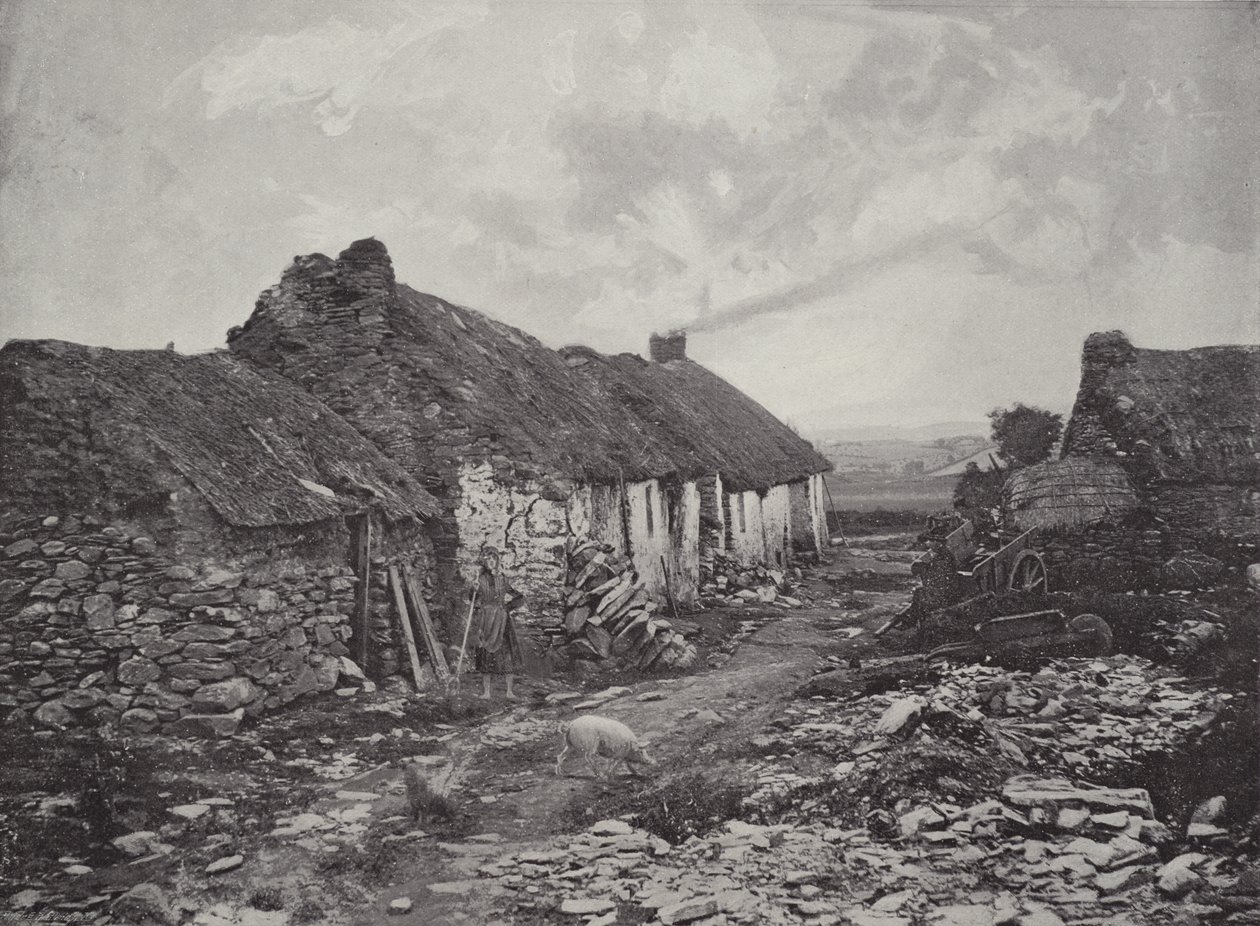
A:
(928, 496)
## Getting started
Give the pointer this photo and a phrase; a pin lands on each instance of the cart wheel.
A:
(1094, 629)
(1029, 574)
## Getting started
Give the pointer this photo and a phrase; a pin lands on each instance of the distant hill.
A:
(983, 458)
(923, 432)
(878, 459)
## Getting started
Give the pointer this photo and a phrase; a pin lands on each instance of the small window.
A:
(743, 515)
(651, 503)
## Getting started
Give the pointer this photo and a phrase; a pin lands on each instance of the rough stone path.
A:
(732, 701)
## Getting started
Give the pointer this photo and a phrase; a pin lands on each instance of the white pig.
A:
(592, 736)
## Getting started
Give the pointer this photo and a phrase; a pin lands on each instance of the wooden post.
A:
(362, 597)
(832, 502)
(669, 594)
(401, 603)
(427, 634)
(625, 513)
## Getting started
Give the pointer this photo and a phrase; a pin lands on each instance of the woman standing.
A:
(498, 648)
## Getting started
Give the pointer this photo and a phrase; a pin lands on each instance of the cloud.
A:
(558, 63)
(712, 81)
(878, 204)
(335, 65)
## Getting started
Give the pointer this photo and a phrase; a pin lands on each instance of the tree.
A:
(976, 493)
(1024, 434)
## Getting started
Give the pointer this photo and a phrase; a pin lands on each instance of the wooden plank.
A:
(362, 596)
(669, 594)
(427, 634)
(400, 603)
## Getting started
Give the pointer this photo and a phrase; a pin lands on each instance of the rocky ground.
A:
(790, 789)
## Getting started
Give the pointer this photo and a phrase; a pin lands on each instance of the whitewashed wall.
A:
(818, 490)
(761, 530)
(808, 521)
(528, 528)
(672, 532)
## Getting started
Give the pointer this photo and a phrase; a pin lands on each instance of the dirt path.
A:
(729, 703)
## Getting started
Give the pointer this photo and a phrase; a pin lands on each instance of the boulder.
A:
(225, 864)
(1253, 577)
(144, 905)
(202, 671)
(350, 669)
(83, 699)
(98, 611)
(20, 548)
(138, 670)
(204, 633)
(694, 908)
(53, 714)
(210, 596)
(157, 616)
(898, 714)
(1191, 570)
(225, 696)
(139, 720)
(1177, 881)
(73, 570)
(137, 844)
(208, 725)
(11, 588)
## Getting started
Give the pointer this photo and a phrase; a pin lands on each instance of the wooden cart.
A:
(963, 567)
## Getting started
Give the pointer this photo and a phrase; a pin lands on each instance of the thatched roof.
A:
(1067, 493)
(434, 383)
(1189, 416)
(704, 423)
(93, 429)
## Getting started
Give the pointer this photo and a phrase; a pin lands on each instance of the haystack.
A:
(1063, 494)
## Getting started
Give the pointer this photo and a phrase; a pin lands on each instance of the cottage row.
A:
(201, 536)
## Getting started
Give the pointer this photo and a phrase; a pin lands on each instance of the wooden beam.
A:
(404, 618)
(425, 622)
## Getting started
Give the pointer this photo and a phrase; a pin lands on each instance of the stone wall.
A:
(101, 624)
(1104, 555)
(1225, 518)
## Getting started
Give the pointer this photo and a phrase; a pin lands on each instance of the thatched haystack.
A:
(1064, 494)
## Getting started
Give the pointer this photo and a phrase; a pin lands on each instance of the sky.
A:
(862, 214)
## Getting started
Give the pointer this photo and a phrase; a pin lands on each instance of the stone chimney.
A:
(665, 347)
(1107, 349)
(364, 269)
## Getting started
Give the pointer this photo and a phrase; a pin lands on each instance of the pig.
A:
(592, 736)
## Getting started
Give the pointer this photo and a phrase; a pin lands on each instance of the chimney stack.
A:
(665, 347)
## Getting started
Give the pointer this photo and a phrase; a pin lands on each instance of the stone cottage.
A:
(1160, 466)
(529, 448)
(185, 539)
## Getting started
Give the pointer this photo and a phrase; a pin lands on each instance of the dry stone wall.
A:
(1104, 555)
(101, 625)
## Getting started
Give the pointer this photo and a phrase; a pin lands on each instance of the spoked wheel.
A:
(1029, 575)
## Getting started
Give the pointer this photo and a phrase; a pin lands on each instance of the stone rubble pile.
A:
(1080, 715)
(608, 612)
(937, 872)
(726, 583)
